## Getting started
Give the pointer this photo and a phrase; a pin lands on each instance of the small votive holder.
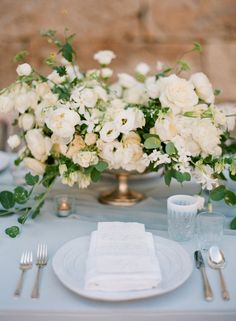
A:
(63, 205)
(182, 210)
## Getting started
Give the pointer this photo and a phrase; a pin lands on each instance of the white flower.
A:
(178, 94)
(85, 158)
(85, 97)
(203, 87)
(128, 120)
(83, 180)
(204, 177)
(135, 95)
(153, 87)
(38, 144)
(33, 164)
(26, 100)
(106, 73)
(62, 169)
(62, 121)
(73, 72)
(229, 111)
(131, 154)
(24, 70)
(90, 139)
(26, 121)
(101, 93)
(159, 158)
(91, 119)
(113, 153)
(139, 118)
(104, 57)
(55, 77)
(131, 138)
(109, 132)
(71, 179)
(6, 104)
(116, 90)
(126, 81)
(142, 68)
(165, 128)
(14, 141)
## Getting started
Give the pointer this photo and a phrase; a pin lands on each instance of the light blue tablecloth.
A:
(59, 304)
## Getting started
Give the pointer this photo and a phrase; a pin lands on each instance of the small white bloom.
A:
(62, 169)
(165, 128)
(153, 87)
(126, 81)
(203, 87)
(113, 153)
(6, 104)
(125, 121)
(83, 180)
(14, 141)
(26, 121)
(104, 57)
(159, 158)
(38, 144)
(26, 100)
(229, 111)
(90, 139)
(115, 90)
(85, 97)
(24, 69)
(101, 93)
(135, 95)
(109, 132)
(106, 73)
(73, 72)
(204, 177)
(34, 165)
(85, 158)
(55, 77)
(71, 179)
(142, 68)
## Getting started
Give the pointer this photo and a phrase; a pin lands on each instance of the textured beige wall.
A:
(147, 30)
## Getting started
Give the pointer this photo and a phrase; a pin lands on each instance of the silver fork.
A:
(42, 258)
(26, 262)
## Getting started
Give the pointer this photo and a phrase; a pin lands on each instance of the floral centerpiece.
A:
(77, 124)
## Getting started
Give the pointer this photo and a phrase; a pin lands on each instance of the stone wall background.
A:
(137, 30)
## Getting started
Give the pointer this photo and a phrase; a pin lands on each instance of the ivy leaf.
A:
(67, 52)
(233, 224)
(31, 180)
(170, 148)
(101, 166)
(152, 142)
(186, 177)
(197, 47)
(22, 219)
(230, 198)
(168, 176)
(12, 231)
(61, 70)
(218, 193)
(20, 56)
(95, 175)
(7, 199)
(21, 195)
(179, 176)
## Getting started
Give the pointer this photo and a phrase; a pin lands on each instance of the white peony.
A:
(113, 153)
(33, 164)
(109, 132)
(178, 94)
(24, 69)
(14, 141)
(6, 104)
(38, 144)
(85, 158)
(26, 121)
(106, 73)
(142, 68)
(26, 100)
(104, 57)
(126, 81)
(203, 87)
(62, 121)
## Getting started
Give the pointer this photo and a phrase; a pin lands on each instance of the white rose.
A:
(109, 132)
(14, 141)
(104, 57)
(135, 95)
(165, 129)
(101, 93)
(139, 118)
(6, 104)
(62, 121)
(24, 70)
(55, 78)
(153, 87)
(26, 121)
(85, 158)
(33, 164)
(178, 94)
(38, 144)
(90, 139)
(106, 73)
(203, 87)
(126, 81)
(142, 68)
(26, 100)
(83, 180)
(113, 153)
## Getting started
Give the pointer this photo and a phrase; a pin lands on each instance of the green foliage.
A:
(61, 70)
(164, 73)
(51, 172)
(180, 177)
(217, 92)
(7, 199)
(218, 193)
(233, 224)
(168, 176)
(12, 231)
(197, 47)
(31, 180)
(67, 51)
(62, 92)
(101, 166)
(184, 66)
(95, 175)
(21, 56)
(152, 142)
(21, 195)
(170, 149)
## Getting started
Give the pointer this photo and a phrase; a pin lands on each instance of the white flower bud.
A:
(24, 70)
(14, 141)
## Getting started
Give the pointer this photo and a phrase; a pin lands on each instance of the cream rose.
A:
(14, 141)
(126, 81)
(90, 139)
(36, 166)
(26, 121)
(38, 144)
(24, 69)
(85, 158)
(131, 138)
(203, 87)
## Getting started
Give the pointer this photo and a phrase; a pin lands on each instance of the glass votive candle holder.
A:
(210, 229)
(181, 211)
(64, 205)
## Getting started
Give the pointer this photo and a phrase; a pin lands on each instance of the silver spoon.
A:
(216, 260)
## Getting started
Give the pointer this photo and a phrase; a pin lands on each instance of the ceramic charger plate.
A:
(69, 264)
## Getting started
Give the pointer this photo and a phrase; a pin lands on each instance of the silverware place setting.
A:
(26, 262)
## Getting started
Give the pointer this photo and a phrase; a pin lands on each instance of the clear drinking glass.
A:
(182, 210)
(210, 229)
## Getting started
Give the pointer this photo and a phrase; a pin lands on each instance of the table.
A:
(56, 303)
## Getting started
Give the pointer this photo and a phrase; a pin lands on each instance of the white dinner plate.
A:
(4, 160)
(69, 264)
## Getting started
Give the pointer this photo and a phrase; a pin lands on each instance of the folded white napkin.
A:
(121, 258)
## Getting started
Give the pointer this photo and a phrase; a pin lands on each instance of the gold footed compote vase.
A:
(122, 195)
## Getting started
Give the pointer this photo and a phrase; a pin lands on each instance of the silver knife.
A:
(201, 266)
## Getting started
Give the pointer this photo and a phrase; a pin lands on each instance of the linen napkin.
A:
(121, 258)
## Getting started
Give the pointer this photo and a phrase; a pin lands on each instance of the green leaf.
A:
(230, 198)
(95, 175)
(51, 172)
(168, 176)
(184, 66)
(20, 195)
(152, 142)
(67, 52)
(31, 180)
(233, 224)
(217, 92)
(197, 47)
(7, 199)
(187, 177)
(101, 166)
(170, 148)
(12, 231)
(22, 219)
(218, 193)
(233, 177)
(61, 70)
(179, 176)
(6, 212)
(20, 56)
